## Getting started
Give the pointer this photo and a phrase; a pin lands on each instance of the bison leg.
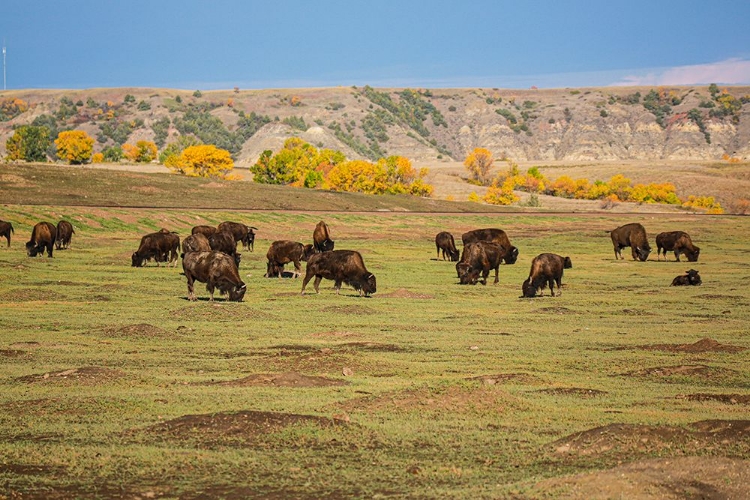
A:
(305, 281)
(676, 255)
(497, 279)
(337, 286)
(190, 286)
(559, 286)
(50, 247)
(297, 269)
(316, 283)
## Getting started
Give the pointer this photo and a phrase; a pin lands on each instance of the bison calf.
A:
(679, 242)
(546, 269)
(634, 236)
(282, 252)
(444, 242)
(479, 257)
(65, 233)
(341, 266)
(43, 237)
(493, 235)
(216, 270)
(690, 277)
(6, 228)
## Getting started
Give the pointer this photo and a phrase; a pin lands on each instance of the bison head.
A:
(693, 277)
(466, 274)
(272, 270)
(454, 255)
(236, 293)
(567, 263)
(31, 249)
(511, 256)
(692, 256)
(369, 286)
(137, 261)
(528, 289)
(643, 253)
(327, 245)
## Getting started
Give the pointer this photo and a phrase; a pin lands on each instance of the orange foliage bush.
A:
(74, 146)
(204, 160)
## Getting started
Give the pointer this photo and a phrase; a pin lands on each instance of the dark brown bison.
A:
(679, 242)
(65, 232)
(322, 241)
(222, 241)
(479, 257)
(283, 252)
(6, 228)
(196, 242)
(492, 235)
(546, 269)
(634, 236)
(162, 246)
(341, 266)
(444, 242)
(690, 277)
(204, 230)
(216, 270)
(42, 236)
(241, 232)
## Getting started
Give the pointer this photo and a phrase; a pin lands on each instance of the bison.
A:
(240, 232)
(222, 241)
(444, 241)
(322, 241)
(196, 242)
(479, 257)
(65, 232)
(631, 235)
(546, 268)
(216, 270)
(6, 228)
(492, 235)
(206, 231)
(691, 277)
(341, 266)
(679, 242)
(42, 237)
(162, 246)
(283, 252)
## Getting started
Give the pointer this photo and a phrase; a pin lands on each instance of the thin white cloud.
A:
(733, 71)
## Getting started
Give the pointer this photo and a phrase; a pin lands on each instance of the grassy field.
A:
(115, 386)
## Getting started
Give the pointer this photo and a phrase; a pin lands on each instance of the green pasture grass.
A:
(453, 391)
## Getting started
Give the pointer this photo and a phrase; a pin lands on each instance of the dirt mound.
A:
(403, 293)
(220, 312)
(733, 399)
(11, 353)
(140, 330)
(703, 345)
(627, 439)
(663, 479)
(499, 378)
(573, 391)
(353, 310)
(311, 359)
(88, 375)
(230, 428)
(288, 379)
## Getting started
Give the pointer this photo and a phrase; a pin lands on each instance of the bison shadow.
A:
(220, 299)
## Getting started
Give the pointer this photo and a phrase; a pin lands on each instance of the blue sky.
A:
(220, 44)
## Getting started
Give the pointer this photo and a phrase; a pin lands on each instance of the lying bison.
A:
(690, 277)
(444, 242)
(679, 242)
(479, 257)
(6, 228)
(42, 237)
(216, 270)
(546, 269)
(322, 241)
(65, 233)
(240, 232)
(634, 236)
(283, 252)
(196, 242)
(341, 266)
(161, 246)
(492, 235)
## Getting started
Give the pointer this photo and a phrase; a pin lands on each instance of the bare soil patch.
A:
(287, 379)
(308, 359)
(702, 372)
(87, 375)
(733, 399)
(12, 353)
(403, 293)
(703, 345)
(715, 478)
(573, 391)
(242, 428)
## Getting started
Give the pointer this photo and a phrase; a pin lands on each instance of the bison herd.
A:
(209, 255)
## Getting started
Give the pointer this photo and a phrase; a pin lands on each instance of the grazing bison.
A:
(216, 270)
(341, 266)
(444, 241)
(65, 232)
(6, 228)
(679, 242)
(634, 236)
(42, 236)
(492, 235)
(479, 257)
(162, 246)
(240, 232)
(222, 241)
(546, 269)
(206, 231)
(196, 242)
(690, 277)
(283, 252)
(322, 241)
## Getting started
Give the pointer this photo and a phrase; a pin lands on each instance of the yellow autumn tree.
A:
(74, 146)
(205, 160)
(142, 152)
(478, 163)
(501, 192)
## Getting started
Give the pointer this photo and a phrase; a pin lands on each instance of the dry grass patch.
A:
(703, 345)
(87, 375)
